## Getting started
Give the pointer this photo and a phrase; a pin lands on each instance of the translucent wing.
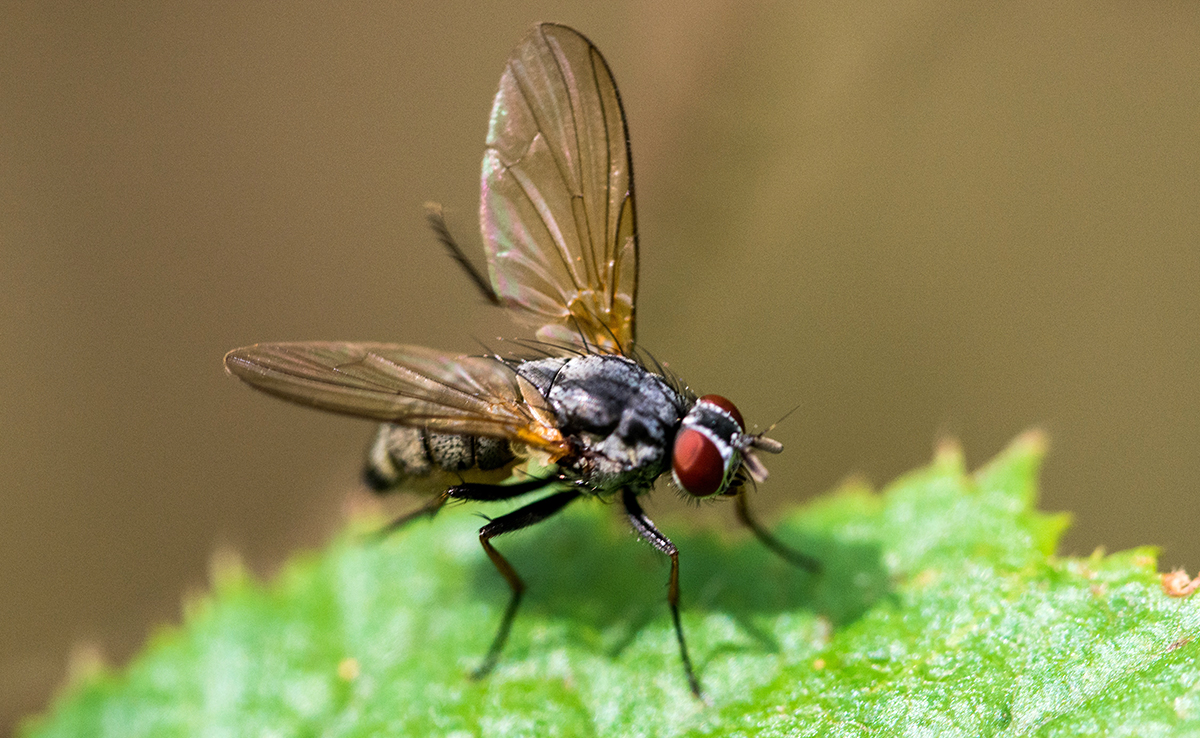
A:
(557, 209)
(409, 385)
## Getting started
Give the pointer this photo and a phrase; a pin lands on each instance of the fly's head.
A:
(712, 446)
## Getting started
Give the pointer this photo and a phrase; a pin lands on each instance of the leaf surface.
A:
(941, 611)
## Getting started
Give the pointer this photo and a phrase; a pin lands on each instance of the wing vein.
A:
(564, 253)
(558, 151)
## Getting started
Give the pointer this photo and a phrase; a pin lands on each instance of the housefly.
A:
(588, 414)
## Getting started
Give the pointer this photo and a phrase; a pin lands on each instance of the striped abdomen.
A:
(399, 453)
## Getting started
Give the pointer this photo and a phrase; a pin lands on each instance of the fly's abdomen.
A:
(399, 454)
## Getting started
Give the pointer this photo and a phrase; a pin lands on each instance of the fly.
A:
(559, 230)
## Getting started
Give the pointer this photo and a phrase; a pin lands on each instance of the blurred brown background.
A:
(913, 219)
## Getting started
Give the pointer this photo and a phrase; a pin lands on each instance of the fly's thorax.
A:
(400, 454)
(620, 417)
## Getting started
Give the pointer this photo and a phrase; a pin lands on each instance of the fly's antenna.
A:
(769, 445)
(760, 442)
(777, 422)
(437, 221)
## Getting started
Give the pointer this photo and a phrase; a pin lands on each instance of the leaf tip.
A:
(85, 662)
(226, 569)
(853, 483)
(1033, 442)
(948, 453)
(1013, 472)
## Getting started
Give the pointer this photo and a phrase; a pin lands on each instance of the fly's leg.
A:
(645, 528)
(429, 509)
(534, 512)
(496, 492)
(789, 554)
(433, 215)
(466, 491)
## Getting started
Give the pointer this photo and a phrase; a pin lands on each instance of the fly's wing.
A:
(557, 209)
(409, 385)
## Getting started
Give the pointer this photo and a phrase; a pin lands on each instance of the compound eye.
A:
(727, 406)
(697, 464)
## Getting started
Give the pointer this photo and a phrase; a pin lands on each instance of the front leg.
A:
(787, 553)
(645, 528)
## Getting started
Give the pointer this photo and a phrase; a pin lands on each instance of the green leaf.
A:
(941, 611)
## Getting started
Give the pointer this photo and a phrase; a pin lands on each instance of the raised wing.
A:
(557, 209)
(409, 385)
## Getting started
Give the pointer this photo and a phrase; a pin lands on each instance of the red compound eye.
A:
(727, 406)
(697, 463)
